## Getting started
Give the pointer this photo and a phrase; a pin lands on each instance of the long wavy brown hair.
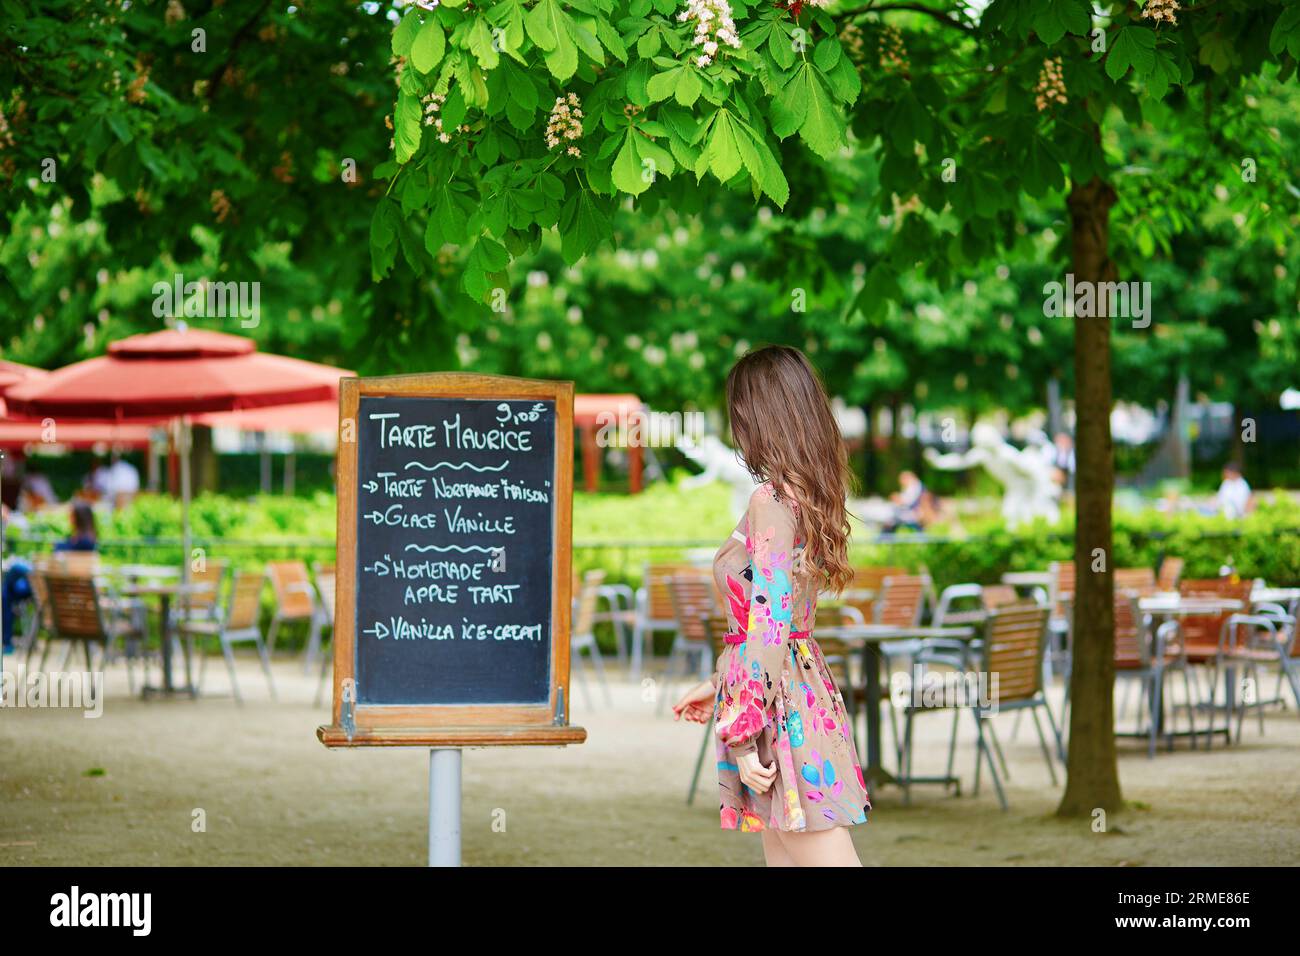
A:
(782, 424)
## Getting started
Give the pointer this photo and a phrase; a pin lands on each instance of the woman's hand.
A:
(696, 704)
(753, 774)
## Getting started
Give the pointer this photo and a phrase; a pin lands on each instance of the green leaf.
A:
(406, 125)
(723, 151)
(629, 173)
(1054, 18)
(1135, 47)
(429, 46)
(688, 87)
(482, 45)
(1286, 33)
(404, 34)
(582, 226)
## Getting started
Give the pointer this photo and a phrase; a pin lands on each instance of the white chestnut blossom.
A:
(713, 26)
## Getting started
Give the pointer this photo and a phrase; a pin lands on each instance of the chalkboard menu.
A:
(454, 550)
(454, 562)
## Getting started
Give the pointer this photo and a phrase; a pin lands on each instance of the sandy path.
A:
(273, 795)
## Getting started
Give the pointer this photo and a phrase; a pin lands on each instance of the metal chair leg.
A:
(229, 653)
(1042, 740)
(699, 761)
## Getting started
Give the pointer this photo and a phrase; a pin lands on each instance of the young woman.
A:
(786, 763)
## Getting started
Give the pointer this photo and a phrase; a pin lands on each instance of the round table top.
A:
(1187, 605)
(165, 587)
(872, 633)
(1274, 595)
(148, 570)
(1028, 578)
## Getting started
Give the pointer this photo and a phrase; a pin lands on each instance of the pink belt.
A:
(740, 636)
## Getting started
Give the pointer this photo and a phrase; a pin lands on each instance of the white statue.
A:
(720, 463)
(1030, 488)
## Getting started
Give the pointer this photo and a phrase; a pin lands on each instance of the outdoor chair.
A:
(586, 593)
(1014, 640)
(840, 655)
(693, 599)
(654, 610)
(620, 614)
(78, 617)
(238, 622)
(1200, 633)
(1141, 581)
(1146, 657)
(327, 591)
(864, 589)
(1289, 654)
(1250, 641)
(294, 604)
(715, 628)
(996, 595)
(1171, 570)
(203, 605)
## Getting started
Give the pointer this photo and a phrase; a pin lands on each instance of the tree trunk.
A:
(869, 450)
(1093, 773)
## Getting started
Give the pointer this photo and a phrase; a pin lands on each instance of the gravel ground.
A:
(128, 788)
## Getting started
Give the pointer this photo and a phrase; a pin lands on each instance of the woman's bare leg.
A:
(831, 847)
(774, 851)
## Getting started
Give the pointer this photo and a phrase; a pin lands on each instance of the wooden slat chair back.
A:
(864, 590)
(833, 616)
(1139, 580)
(716, 628)
(1201, 632)
(1063, 581)
(588, 591)
(79, 563)
(902, 599)
(212, 573)
(693, 600)
(74, 607)
(658, 584)
(245, 603)
(1014, 640)
(996, 595)
(292, 589)
(1171, 572)
(327, 586)
(1131, 648)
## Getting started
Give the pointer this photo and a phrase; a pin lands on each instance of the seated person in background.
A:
(98, 483)
(36, 492)
(17, 584)
(124, 482)
(1233, 499)
(84, 537)
(908, 502)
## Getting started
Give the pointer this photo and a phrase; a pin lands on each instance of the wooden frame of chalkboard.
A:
(357, 722)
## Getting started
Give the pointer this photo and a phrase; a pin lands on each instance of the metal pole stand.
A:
(444, 806)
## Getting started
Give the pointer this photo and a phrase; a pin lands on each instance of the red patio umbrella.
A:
(178, 373)
(175, 372)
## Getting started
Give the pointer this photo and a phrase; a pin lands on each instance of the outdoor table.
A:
(1283, 596)
(164, 592)
(1170, 605)
(871, 637)
(148, 570)
(1028, 579)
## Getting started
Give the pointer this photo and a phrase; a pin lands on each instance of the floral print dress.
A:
(776, 695)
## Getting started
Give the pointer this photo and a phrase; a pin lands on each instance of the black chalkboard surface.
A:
(455, 542)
